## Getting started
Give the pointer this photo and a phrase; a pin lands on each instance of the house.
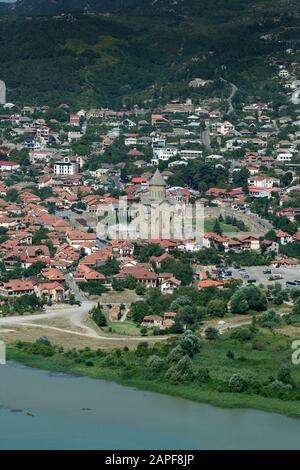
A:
(165, 153)
(53, 274)
(206, 283)
(36, 251)
(65, 167)
(160, 121)
(261, 192)
(169, 285)
(283, 237)
(135, 153)
(139, 180)
(157, 260)
(128, 123)
(16, 288)
(74, 135)
(269, 246)
(50, 291)
(263, 182)
(250, 243)
(222, 128)
(140, 274)
(283, 73)
(169, 320)
(84, 274)
(284, 157)
(78, 238)
(296, 236)
(8, 166)
(37, 156)
(43, 132)
(191, 154)
(286, 263)
(130, 140)
(158, 142)
(74, 120)
(152, 321)
(121, 248)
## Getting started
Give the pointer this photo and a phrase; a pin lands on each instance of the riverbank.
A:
(192, 391)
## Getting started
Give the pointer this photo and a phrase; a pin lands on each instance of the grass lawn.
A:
(123, 328)
(209, 225)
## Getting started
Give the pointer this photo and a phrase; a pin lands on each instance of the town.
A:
(60, 169)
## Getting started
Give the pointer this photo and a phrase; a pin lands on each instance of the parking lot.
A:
(257, 273)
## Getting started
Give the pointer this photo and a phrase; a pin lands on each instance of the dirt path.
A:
(77, 316)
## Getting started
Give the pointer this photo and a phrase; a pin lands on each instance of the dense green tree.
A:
(211, 333)
(98, 316)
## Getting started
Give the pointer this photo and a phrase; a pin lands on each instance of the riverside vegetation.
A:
(247, 367)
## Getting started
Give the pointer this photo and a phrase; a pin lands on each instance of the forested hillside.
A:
(142, 50)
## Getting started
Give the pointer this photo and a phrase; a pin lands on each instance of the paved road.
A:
(74, 288)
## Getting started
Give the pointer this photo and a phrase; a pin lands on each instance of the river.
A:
(43, 410)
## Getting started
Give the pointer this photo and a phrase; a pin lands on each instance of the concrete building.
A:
(65, 167)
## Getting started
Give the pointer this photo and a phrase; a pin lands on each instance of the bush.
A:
(43, 340)
(217, 307)
(259, 346)
(285, 376)
(190, 343)
(211, 333)
(144, 331)
(248, 298)
(175, 355)
(203, 375)
(89, 363)
(142, 349)
(237, 383)
(269, 319)
(173, 375)
(230, 354)
(38, 349)
(181, 372)
(241, 334)
(155, 364)
(140, 289)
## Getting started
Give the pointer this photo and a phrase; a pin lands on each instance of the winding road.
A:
(234, 90)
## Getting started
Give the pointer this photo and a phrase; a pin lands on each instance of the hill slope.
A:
(143, 50)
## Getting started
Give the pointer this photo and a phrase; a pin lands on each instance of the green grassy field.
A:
(209, 225)
(123, 328)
